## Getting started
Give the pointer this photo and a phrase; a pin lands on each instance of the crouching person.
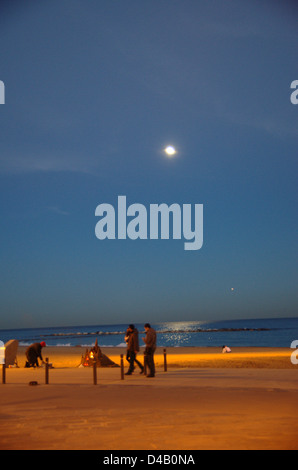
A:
(33, 353)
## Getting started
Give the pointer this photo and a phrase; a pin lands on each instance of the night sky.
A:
(94, 92)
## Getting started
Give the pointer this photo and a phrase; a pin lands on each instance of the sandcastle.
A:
(95, 355)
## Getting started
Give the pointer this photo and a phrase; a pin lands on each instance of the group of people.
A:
(132, 341)
(34, 352)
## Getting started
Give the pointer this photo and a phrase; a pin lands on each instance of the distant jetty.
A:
(195, 330)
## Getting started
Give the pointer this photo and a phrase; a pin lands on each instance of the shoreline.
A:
(177, 357)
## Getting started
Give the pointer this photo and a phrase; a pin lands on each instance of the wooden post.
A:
(122, 367)
(165, 360)
(47, 371)
(3, 374)
(95, 373)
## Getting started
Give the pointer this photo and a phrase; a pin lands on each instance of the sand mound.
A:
(95, 355)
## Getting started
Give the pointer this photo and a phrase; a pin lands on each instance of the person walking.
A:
(132, 339)
(150, 342)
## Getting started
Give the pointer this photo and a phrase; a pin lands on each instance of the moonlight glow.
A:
(170, 151)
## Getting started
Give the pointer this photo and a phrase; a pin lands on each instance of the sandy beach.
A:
(206, 400)
(276, 358)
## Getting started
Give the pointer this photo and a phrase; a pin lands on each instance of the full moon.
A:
(170, 151)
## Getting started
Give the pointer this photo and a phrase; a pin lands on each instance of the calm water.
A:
(277, 332)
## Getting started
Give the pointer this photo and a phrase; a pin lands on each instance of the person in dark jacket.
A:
(150, 342)
(132, 339)
(33, 353)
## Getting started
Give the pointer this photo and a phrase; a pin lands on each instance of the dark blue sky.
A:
(95, 90)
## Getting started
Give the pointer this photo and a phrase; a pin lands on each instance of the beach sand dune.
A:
(186, 408)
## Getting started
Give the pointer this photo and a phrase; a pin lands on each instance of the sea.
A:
(274, 332)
